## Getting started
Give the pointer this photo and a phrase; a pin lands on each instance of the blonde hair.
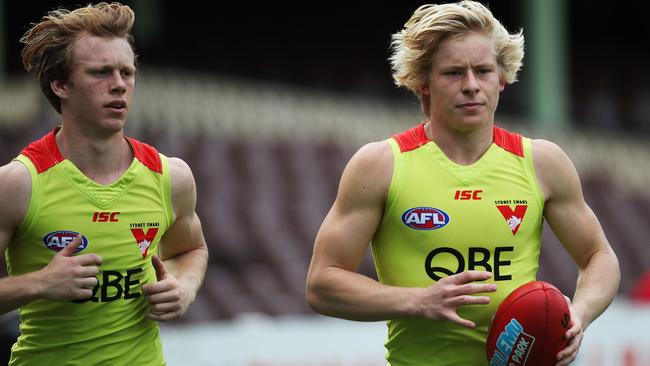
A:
(49, 44)
(414, 46)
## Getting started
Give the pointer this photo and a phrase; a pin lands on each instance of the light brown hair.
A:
(49, 43)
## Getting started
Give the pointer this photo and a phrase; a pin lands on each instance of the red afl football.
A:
(529, 326)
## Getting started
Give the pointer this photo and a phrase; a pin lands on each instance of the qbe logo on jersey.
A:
(60, 239)
(425, 218)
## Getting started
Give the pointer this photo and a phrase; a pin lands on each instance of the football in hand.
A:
(529, 326)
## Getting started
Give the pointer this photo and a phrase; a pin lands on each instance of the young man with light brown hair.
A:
(100, 230)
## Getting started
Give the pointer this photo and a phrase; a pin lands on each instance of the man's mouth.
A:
(116, 105)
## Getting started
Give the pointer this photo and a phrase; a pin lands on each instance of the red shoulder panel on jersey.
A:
(43, 153)
(412, 138)
(146, 154)
(509, 141)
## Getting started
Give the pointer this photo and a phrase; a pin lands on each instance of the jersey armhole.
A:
(32, 208)
(391, 199)
(167, 189)
(530, 170)
(391, 194)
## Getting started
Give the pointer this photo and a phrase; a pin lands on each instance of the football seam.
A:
(546, 320)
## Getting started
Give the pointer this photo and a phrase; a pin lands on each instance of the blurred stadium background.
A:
(267, 102)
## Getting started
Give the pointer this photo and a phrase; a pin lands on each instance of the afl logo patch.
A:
(60, 239)
(425, 218)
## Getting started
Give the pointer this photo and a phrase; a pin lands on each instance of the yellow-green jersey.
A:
(442, 218)
(122, 222)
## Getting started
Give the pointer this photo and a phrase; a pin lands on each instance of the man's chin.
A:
(472, 123)
(113, 125)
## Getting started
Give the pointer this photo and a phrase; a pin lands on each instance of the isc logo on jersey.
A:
(425, 218)
(60, 239)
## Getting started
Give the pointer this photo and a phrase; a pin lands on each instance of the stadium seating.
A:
(267, 160)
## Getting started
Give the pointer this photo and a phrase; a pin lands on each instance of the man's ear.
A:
(59, 88)
(502, 84)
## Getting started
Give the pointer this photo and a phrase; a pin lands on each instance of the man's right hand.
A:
(69, 277)
(440, 300)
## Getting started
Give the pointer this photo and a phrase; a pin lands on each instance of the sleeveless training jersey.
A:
(442, 218)
(122, 222)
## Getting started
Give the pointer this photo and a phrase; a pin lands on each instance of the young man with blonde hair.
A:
(100, 230)
(453, 208)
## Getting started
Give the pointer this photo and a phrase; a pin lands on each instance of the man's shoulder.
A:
(546, 152)
(14, 173)
(554, 169)
(15, 193)
(180, 171)
(183, 186)
(376, 154)
(368, 172)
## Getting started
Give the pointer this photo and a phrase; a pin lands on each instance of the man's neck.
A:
(461, 147)
(102, 159)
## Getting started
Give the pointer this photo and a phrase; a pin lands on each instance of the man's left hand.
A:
(167, 298)
(574, 336)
